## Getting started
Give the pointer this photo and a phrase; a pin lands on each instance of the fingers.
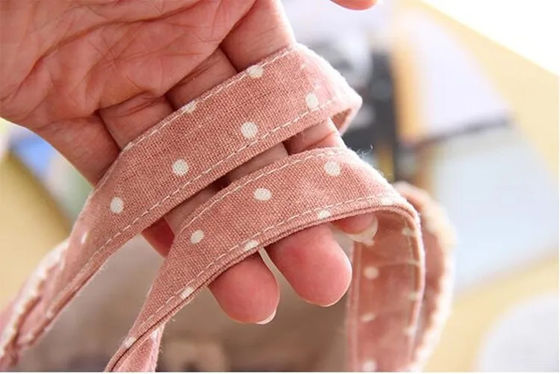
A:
(311, 260)
(106, 65)
(264, 30)
(247, 291)
(356, 4)
(128, 120)
(85, 142)
(314, 264)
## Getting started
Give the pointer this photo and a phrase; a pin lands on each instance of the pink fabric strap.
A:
(193, 147)
(438, 238)
(295, 193)
(210, 136)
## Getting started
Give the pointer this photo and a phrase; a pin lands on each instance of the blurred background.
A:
(460, 98)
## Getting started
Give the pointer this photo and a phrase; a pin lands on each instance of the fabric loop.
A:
(392, 323)
(295, 193)
(198, 144)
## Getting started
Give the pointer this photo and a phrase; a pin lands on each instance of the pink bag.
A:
(401, 283)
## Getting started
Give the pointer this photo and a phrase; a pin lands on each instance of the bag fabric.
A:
(398, 298)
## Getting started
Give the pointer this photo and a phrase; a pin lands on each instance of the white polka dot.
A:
(406, 231)
(154, 335)
(312, 101)
(415, 296)
(10, 331)
(262, 194)
(249, 130)
(332, 168)
(371, 272)
(323, 214)
(129, 341)
(410, 331)
(367, 317)
(385, 200)
(117, 205)
(187, 292)
(251, 244)
(369, 365)
(189, 107)
(42, 273)
(413, 262)
(197, 236)
(255, 71)
(28, 338)
(84, 237)
(33, 293)
(180, 167)
(20, 309)
(49, 314)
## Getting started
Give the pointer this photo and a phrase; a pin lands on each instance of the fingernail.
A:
(267, 319)
(367, 235)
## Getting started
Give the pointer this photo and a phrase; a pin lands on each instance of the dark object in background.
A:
(374, 132)
(380, 134)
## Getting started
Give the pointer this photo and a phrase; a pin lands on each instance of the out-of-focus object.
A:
(61, 180)
(30, 222)
(496, 184)
(474, 338)
(3, 138)
(441, 89)
(530, 321)
(534, 41)
(520, 61)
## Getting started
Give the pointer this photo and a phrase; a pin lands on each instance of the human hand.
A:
(89, 76)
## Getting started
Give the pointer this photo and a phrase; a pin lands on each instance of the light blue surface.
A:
(500, 197)
(35, 153)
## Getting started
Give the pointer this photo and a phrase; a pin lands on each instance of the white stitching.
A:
(153, 314)
(257, 177)
(203, 98)
(172, 117)
(29, 295)
(369, 197)
(272, 171)
(355, 301)
(414, 271)
(314, 210)
(84, 268)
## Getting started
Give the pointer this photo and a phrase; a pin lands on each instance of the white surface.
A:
(524, 339)
(501, 199)
(454, 92)
(530, 28)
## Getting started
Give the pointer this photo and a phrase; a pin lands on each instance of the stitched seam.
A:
(29, 297)
(174, 116)
(440, 303)
(369, 197)
(255, 178)
(203, 98)
(413, 273)
(356, 301)
(180, 188)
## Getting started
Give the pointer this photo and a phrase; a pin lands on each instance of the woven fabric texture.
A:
(392, 321)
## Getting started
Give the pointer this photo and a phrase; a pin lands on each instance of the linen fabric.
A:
(391, 322)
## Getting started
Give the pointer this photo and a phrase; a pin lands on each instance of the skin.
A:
(91, 75)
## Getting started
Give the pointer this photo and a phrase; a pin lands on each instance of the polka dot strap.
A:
(204, 140)
(297, 192)
(210, 136)
(438, 238)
